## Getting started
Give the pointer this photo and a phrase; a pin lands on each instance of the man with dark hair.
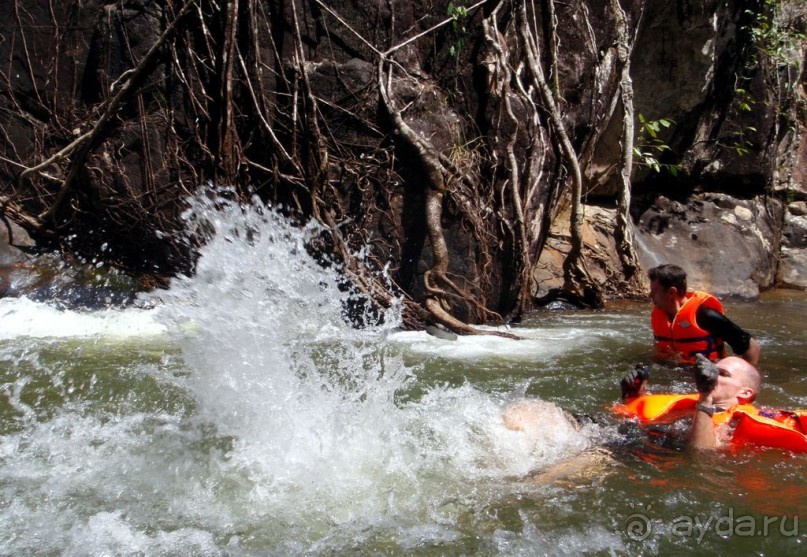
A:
(686, 323)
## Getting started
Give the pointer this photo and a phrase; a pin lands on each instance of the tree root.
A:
(623, 230)
(82, 143)
(577, 279)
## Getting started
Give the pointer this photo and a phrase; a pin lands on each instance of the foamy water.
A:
(532, 342)
(21, 317)
(241, 416)
(281, 429)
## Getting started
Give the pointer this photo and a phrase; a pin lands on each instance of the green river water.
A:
(235, 415)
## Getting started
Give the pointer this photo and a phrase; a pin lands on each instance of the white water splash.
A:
(310, 401)
(295, 439)
(21, 317)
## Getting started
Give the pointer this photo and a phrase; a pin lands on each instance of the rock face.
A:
(285, 101)
(727, 246)
(793, 265)
(727, 224)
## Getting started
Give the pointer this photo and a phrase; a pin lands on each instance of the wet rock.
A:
(793, 265)
(727, 246)
(13, 243)
(439, 332)
(45, 277)
(13, 259)
(797, 208)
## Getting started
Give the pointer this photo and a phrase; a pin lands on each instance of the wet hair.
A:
(668, 276)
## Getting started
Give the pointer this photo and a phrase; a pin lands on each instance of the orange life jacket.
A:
(682, 335)
(769, 428)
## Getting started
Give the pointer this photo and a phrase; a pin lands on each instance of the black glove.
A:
(706, 374)
(633, 382)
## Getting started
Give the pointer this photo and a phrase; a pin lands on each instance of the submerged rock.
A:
(45, 277)
(440, 333)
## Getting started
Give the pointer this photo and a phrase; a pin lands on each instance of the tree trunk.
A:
(623, 229)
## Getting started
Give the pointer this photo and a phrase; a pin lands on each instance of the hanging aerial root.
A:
(82, 143)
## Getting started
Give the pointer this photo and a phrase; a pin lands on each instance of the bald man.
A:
(729, 382)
